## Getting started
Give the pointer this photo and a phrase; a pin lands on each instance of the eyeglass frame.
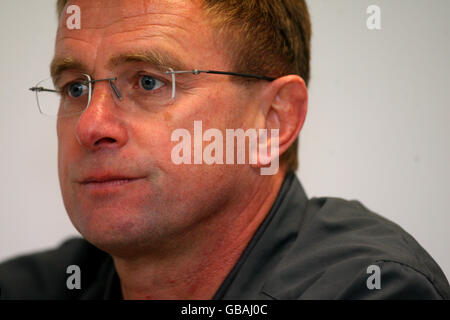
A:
(171, 72)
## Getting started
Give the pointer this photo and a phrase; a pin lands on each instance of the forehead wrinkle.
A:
(149, 27)
(64, 58)
(104, 14)
(111, 17)
(147, 30)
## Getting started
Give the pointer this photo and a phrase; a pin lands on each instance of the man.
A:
(157, 227)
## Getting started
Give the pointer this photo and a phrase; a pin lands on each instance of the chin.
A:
(120, 231)
(119, 239)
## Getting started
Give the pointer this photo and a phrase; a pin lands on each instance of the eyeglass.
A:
(134, 89)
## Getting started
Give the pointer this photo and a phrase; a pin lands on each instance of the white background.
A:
(377, 126)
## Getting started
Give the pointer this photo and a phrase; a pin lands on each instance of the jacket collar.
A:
(268, 245)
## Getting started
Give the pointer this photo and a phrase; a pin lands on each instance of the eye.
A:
(149, 83)
(77, 89)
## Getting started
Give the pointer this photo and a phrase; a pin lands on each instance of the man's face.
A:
(148, 198)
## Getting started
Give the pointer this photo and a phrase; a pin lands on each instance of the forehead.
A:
(109, 27)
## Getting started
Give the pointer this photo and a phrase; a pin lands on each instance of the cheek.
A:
(65, 134)
(217, 107)
(214, 108)
(150, 138)
(227, 109)
(67, 144)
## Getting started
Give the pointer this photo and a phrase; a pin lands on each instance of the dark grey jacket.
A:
(322, 248)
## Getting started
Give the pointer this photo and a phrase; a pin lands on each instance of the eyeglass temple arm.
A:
(196, 71)
(113, 86)
(86, 82)
(42, 89)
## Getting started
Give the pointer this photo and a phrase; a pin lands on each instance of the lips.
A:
(107, 180)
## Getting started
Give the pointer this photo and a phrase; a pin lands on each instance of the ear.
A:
(286, 109)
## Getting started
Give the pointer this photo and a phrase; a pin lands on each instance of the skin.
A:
(176, 231)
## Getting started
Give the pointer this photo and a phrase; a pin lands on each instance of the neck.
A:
(199, 270)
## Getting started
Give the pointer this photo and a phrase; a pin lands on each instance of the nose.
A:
(99, 126)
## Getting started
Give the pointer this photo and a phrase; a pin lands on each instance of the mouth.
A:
(107, 183)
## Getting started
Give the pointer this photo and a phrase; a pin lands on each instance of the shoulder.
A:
(341, 246)
(43, 275)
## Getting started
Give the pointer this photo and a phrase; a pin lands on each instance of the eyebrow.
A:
(59, 65)
(155, 58)
(159, 59)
